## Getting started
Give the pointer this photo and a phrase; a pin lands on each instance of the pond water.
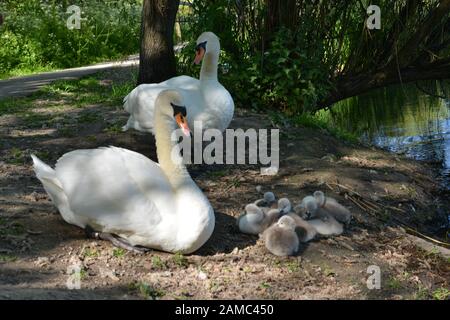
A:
(403, 119)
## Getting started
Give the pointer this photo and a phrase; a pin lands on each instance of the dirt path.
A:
(23, 86)
(37, 248)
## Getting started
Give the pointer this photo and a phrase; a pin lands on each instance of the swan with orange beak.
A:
(208, 101)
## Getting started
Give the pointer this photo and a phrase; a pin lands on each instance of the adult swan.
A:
(129, 199)
(207, 100)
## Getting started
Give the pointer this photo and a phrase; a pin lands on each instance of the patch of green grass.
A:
(118, 252)
(113, 128)
(25, 71)
(422, 293)
(67, 132)
(83, 273)
(264, 285)
(119, 91)
(292, 266)
(180, 260)
(441, 294)
(235, 183)
(14, 105)
(91, 138)
(88, 252)
(327, 270)
(394, 283)
(14, 229)
(16, 156)
(34, 120)
(146, 291)
(214, 286)
(43, 154)
(7, 258)
(88, 117)
(218, 174)
(321, 120)
(158, 263)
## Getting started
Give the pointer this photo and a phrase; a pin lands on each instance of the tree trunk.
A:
(280, 13)
(157, 58)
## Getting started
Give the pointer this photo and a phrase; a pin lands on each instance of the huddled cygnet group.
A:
(284, 227)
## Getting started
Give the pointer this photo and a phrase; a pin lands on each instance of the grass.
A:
(88, 252)
(25, 71)
(441, 294)
(394, 284)
(13, 229)
(113, 128)
(16, 156)
(7, 258)
(319, 120)
(180, 260)
(118, 252)
(146, 291)
(158, 263)
(292, 266)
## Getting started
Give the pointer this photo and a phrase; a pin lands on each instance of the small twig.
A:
(346, 188)
(355, 202)
(396, 209)
(34, 232)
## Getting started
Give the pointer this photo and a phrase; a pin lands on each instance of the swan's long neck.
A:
(209, 66)
(171, 164)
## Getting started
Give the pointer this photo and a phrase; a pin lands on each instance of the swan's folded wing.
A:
(182, 82)
(114, 189)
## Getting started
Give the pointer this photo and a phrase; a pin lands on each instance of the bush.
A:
(34, 35)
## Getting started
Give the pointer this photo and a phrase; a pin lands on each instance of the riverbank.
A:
(382, 190)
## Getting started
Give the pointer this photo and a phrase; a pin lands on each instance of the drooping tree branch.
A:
(351, 86)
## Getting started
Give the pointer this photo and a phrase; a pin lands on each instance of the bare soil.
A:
(382, 190)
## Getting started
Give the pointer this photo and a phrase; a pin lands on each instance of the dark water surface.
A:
(403, 119)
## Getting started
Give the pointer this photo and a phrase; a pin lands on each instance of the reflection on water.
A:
(402, 119)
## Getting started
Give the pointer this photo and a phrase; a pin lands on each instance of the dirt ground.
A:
(37, 248)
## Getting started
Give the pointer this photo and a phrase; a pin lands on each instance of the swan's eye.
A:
(201, 45)
(178, 110)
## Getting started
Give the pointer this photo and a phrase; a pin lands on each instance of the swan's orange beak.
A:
(182, 123)
(199, 55)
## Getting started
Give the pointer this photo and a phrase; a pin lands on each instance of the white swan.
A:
(121, 192)
(208, 101)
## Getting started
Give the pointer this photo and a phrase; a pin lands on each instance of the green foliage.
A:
(441, 294)
(35, 37)
(180, 260)
(288, 75)
(118, 252)
(295, 64)
(146, 291)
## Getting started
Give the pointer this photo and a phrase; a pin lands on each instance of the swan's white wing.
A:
(140, 102)
(182, 82)
(115, 190)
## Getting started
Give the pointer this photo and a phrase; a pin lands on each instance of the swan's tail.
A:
(50, 182)
(126, 103)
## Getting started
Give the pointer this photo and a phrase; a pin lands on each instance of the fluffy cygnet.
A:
(281, 238)
(255, 220)
(267, 201)
(338, 211)
(324, 223)
(304, 230)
